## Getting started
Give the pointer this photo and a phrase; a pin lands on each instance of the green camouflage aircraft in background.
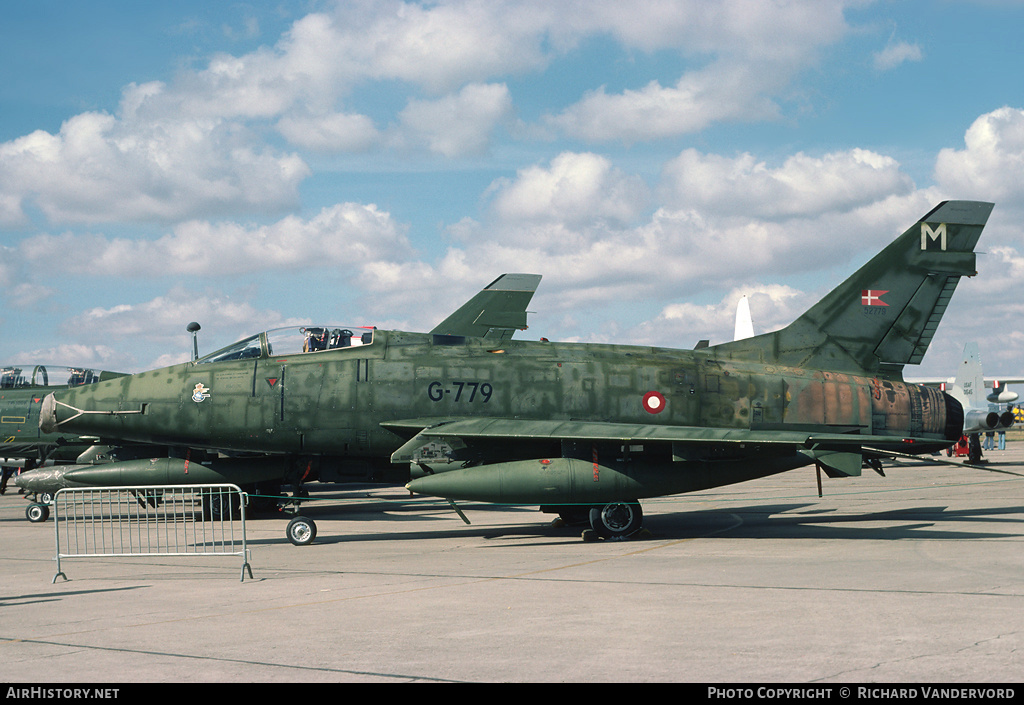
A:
(22, 388)
(22, 444)
(580, 428)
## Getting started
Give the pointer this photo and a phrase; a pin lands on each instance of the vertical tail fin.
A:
(969, 385)
(744, 323)
(969, 389)
(885, 315)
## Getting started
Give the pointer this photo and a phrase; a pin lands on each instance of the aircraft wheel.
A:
(46, 497)
(220, 506)
(301, 531)
(617, 519)
(263, 497)
(974, 449)
(572, 515)
(37, 513)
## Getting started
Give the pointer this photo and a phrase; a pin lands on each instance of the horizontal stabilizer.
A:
(498, 311)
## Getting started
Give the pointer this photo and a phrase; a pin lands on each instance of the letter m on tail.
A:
(929, 236)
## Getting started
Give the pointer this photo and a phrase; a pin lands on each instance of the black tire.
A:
(301, 531)
(37, 513)
(221, 506)
(617, 520)
(263, 497)
(573, 515)
(974, 449)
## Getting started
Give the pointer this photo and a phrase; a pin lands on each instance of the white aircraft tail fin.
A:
(969, 384)
(744, 323)
(969, 389)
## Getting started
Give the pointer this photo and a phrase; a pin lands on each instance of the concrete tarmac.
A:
(917, 577)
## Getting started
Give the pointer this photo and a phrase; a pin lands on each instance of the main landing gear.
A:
(612, 521)
(618, 520)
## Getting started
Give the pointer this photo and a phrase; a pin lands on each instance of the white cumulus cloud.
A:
(801, 186)
(458, 124)
(575, 188)
(347, 234)
(991, 165)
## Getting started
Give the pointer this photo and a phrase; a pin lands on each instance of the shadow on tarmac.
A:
(10, 600)
(795, 520)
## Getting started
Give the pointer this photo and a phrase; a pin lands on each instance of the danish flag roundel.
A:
(654, 402)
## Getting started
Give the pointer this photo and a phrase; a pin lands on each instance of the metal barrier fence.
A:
(180, 520)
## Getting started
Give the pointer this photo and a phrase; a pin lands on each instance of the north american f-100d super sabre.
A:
(495, 313)
(583, 428)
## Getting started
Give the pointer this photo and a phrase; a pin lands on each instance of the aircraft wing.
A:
(937, 459)
(990, 382)
(484, 428)
(498, 311)
(993, 388)
(840, 451)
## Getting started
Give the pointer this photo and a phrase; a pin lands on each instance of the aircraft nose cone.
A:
(48, 414)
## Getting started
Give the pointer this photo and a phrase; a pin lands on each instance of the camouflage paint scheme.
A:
(22, 389)
(495, 313)
(541, 422)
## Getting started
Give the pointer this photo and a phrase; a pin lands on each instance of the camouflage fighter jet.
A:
(495, 313)
(22, 444)
(582, 428)
(22, 388)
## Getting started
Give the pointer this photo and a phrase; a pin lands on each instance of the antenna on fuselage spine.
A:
(192, 328)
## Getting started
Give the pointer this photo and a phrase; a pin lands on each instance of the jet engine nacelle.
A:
(976, 420)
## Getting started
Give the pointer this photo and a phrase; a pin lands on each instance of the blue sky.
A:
(251, 165)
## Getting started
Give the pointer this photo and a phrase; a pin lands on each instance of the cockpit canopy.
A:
(293, 341)
(16, 376)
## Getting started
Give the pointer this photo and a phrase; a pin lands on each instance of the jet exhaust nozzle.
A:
(976, 420)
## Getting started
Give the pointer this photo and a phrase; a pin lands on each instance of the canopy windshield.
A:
(15, 376)
(293, 341)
